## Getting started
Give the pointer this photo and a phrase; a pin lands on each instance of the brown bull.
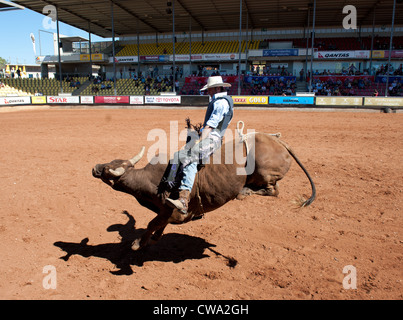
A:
(215, 184)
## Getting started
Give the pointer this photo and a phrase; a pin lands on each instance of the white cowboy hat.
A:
(215, 81)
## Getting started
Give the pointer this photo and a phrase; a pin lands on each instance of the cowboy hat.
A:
(215, 81)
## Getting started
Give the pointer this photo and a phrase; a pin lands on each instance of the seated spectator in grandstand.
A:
(103, 87)
(351, 92)
(1, 85)
(108, 86)
(72, 83)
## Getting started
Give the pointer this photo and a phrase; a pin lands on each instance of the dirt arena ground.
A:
(54, 213)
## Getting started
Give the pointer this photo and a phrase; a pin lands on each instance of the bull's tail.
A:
(313, 195)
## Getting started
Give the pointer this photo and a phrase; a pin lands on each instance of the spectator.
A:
(301, 75)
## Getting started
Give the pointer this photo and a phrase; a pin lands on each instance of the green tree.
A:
(3, 63)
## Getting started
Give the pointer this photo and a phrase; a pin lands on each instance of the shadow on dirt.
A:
(172, 247)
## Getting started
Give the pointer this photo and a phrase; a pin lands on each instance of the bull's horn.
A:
(118, 172)
(137, 158)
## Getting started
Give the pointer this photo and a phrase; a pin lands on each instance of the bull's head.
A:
(111, 172)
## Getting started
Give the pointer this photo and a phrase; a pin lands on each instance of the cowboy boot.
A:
(181, 203)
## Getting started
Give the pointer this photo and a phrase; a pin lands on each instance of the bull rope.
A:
(244, 137)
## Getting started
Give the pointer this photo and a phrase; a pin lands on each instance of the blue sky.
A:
(15, 29)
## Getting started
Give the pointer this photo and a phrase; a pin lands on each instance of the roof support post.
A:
(307, 44)
(90, 49)
(190, 44)
(313, 41)
(113, 50)
(58, 51)
(240, 47)
(372, 42)
(173, 46)
(390, 48)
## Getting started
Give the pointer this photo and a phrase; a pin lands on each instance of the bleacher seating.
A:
(31, 86)
(127, 87)
(183, 48)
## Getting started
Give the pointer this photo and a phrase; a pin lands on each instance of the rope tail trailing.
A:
(313, 195)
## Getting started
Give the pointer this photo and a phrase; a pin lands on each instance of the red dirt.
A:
(257, 248)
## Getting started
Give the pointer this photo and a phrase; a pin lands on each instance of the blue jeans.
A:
(190, 158)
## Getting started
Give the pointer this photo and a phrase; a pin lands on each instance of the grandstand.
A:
(275, 43)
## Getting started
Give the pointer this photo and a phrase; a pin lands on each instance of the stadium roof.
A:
(7, 6)
(151, 17)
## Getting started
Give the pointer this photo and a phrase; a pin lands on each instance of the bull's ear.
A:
(137, 158)
(117, 172)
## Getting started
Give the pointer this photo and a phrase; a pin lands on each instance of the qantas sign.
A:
(335, 54)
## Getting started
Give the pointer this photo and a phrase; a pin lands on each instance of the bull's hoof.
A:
(177, 217)
(136, 245)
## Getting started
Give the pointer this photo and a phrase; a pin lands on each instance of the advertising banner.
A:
(59, 99)
(162, 99)
(94, 57)
(250, 99)
(87, 99)
(136, 100)
(126, 59)
(221, 56)
(382, 101)
(112, 99)
(154, 58)
(362, 54)
(280, 52)
(334, 54)
(38, 100)
(291, 100)
(394, 54)
(378, 54)
(185, 57)
(339, 101)
(14, 100)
